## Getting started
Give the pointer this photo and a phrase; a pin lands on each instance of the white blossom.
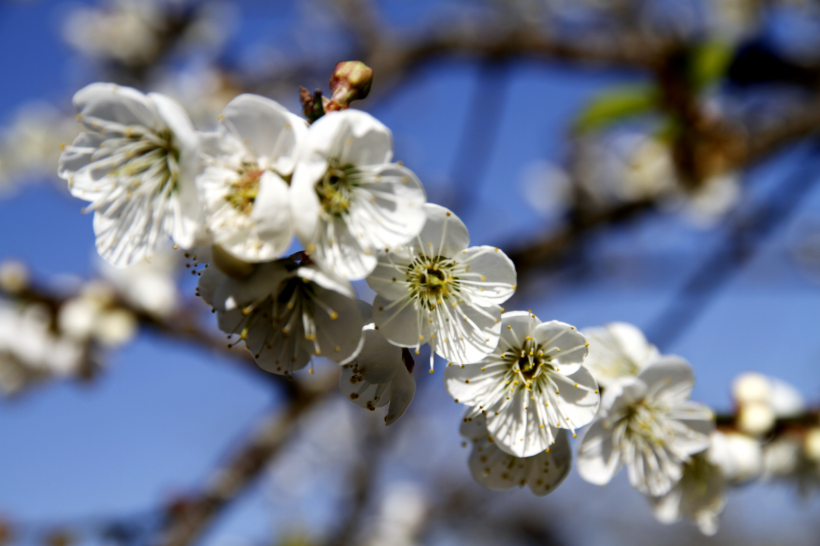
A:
(149, 284)
(699, 496)
(286, 312)
(497, 470)
(136, 167)
(30, 350)
(530, 386)
(617, 350)
(761, 400)
(243, 188)
(648, 424)
(438, 290)
(379, 375)
(349, 201)
(93, 315)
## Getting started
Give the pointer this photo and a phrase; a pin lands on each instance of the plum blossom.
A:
(437, 290)
(286, 312)
(530, 386)
(349, 200)
(136, 167)
(243, 187)
(380, 374)
(617, 350)
(497, 470)
(648, 424)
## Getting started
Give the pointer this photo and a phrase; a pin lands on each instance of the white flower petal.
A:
(670, 377)
(326, 279)
(352, 135)
(399, 322)
(466, 332)
(563, 343)
(267, 129)
(401, 394)
(123, 105)
(209, 281)
(378, 360)
(491, 276)
(389, 278)
(443, 234)
(338, 324)
(598, 460)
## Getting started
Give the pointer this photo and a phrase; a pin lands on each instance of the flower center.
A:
(431, 280)
(145, 152)
(245, 189)
(334, 189)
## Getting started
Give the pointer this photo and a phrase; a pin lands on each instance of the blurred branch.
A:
(182, 326)
(245, 466)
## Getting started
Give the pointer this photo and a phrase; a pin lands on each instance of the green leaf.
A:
(709, 62)
(617, 104)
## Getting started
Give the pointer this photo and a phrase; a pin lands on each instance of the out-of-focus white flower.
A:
(792, 457)
(401, 516)
(761, 400)
(710, 202)
(438, 290)
(134, 32)
(497, 470)
(546, 187)
(286, 312)
(127, 31)
(243, 186)
(379, 375)
(648, 424)
(14, 276)
(93, 316)
(812, 444)
(28, 147)
(533, 384)
(617, 350)
(348, 200)
(137, 169)
(625, 168)
(30, 351)
(739, 456)
(150, 284)
(699, 496)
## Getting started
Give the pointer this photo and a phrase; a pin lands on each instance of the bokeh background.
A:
(652, 162)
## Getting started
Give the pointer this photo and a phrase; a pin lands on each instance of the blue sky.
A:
(164, 414)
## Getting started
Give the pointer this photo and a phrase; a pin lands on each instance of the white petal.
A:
(563, 343)
(444, 234)
(467, 332)
(209, 281)
(378, 360)
(353, 136)
(123, 105)
(515, 328)
(491, 273)
(669, 377)
(269, 233)
(633, 343)
(174, 116)
(338, 250)
(237, 293)
(304, 203)
(326, 279)
(399, 322)
(401, 394)
(267, 129)
(338, 335)
(598, 460)
(579, 403)
(388, 279)
(549, 468)
(387, 208)
(84, 182)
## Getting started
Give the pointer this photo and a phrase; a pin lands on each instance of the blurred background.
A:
(647, 161)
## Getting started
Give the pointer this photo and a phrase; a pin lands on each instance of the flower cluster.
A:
(279, 215)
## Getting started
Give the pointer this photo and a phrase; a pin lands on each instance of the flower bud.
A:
(811, 444)
(755, 418)
(14, 277)
(751, 387)
(351, 80)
